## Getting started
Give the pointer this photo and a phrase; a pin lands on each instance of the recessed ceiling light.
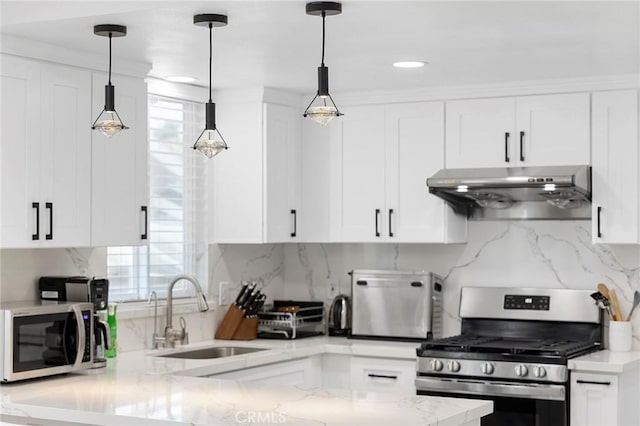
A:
(408, 64)
(180, 79)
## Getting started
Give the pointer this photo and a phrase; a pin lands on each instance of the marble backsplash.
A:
(515, 254)
(555, 254)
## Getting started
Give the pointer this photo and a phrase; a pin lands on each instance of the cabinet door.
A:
(120, 167)
(358, 175)
(316, 197)
(282, 136)
(20, 153)
(382, 374)
(480, 133)
(615, 179)
(594, 399)
(66, 146)
(301, 372)
(237, 175)
(415, 151)
(553, 130)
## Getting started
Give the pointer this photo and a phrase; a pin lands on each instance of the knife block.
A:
(248, 329)
(235, 326)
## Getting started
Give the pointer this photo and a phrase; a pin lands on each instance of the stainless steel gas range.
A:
(513, 349)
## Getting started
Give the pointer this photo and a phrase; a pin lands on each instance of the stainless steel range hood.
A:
(554, 192)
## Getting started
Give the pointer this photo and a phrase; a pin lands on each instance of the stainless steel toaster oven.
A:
(396, 305)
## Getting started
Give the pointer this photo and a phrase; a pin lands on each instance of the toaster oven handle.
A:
(82, 338)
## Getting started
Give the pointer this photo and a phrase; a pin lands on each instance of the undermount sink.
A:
(215, 352)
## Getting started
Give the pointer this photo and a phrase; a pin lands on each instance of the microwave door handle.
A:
(81, 335)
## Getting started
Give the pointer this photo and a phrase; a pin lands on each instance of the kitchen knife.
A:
(253, 308)
(260, 304)
(246, 295)
(247, 303)
(245, 285)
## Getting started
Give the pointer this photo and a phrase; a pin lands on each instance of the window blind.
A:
(177, 208)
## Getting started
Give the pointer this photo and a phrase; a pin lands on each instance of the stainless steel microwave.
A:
(42, 339)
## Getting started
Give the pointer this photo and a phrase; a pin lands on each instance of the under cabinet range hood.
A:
(553, 192)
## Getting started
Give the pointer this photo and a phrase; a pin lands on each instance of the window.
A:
(177, 211)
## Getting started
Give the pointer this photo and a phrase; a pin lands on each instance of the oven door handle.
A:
(487, 388)
(81, 335)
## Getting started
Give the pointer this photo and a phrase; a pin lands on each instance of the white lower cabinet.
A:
(599, 399)
(300, 372)
(357, 373)
(383, 374)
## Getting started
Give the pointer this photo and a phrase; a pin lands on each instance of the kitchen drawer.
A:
(383, 374)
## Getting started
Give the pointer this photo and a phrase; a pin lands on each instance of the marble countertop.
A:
(606, 361)
(141, 388)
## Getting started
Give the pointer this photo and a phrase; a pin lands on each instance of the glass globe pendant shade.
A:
(108, 123)
(321, 112)
(210, 142)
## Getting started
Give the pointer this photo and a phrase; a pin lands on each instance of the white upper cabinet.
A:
(119, 167)
(256, 192)
(415, 151)
(282, 133)
(541, 130)
(553, 130)
(46, 155)
(616, 182)
(357, 175)
(480, 133)
(381, 157)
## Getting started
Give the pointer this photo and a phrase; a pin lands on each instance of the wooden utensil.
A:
(636, 302)
(602, 288)
(613, 297)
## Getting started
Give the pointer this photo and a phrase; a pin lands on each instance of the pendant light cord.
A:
(110, 59)
(210, 56)
(322, 61)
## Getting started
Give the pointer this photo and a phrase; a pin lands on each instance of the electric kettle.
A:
(340, 316)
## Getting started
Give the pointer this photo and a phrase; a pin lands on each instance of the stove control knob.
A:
(454, 366)
(436, 365)
(521, 370)
(539, 372)
(487, 368)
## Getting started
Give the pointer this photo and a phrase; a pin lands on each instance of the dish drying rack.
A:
(289, 323)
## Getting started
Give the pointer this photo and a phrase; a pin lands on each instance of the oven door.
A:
(47, 343)
(514, 404)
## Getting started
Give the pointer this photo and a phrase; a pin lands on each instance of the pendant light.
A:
(109, 122)
(210, 142)
(325, 109)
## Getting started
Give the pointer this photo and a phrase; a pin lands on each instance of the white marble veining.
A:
(556, 254)
(136, 389)
(502, 253)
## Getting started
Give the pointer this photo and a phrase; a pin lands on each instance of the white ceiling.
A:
(274, 43)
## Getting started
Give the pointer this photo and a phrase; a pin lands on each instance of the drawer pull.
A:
(382, 376)
(592, 382)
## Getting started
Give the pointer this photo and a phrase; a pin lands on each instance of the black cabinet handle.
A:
(361, 282)
(295, 223)
(591, 382)
(506, 148)
(521, 146)
(382, 376)
(599, 214)
(390, 229)
(49, 206)
(145, 235)
(36, 236)
(377, 216)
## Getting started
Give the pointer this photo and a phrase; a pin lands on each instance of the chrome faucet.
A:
(170, 335)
